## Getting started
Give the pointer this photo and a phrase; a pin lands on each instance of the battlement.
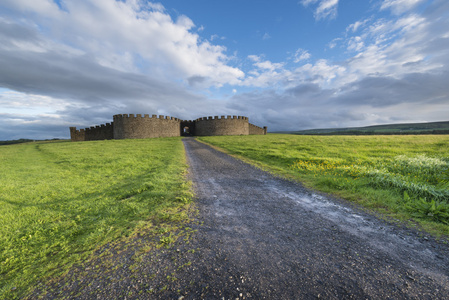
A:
(93, 133)
(138, 126)
(145, 116)
(222, 117)
(253, 129)
(224, 125)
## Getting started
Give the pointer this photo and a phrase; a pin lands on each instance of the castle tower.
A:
(222, 126)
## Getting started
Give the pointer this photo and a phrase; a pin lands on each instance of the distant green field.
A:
(404, 176)
(410, 128)
(60, 201)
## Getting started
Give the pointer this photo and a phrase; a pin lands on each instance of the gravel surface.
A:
(256, 236)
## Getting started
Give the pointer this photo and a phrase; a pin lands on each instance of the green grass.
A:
(406, 177)
(60, 201)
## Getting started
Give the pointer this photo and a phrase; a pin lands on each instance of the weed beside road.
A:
(404, 176)
(61, 201)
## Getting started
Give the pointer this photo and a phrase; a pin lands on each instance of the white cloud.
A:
(120, 34)
(395, 71)
(265, 64)
(12, 100)
(387, 45)
(308, 2)
(321, 73)
(357, 25)
(325, 8)
(217, 37)
(332, 44)
(301, 55)
(400, 6)
(265, 73)
(356, 43)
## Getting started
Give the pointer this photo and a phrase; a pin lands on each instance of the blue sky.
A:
(288, 65)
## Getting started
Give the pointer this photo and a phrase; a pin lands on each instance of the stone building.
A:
(130, 126)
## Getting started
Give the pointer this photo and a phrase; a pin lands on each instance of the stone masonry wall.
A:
(130, 126)
(138, 127)
(222, 126)
(253, 129)
(99, 132)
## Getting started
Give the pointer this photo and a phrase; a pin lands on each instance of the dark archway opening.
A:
(186, 131)
(187, 128)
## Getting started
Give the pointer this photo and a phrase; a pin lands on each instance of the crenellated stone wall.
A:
(222, 126)
(130, 126)
(99, 132)
(253, 129)
(141, 127)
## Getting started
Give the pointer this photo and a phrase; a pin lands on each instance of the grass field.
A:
(60, 201)
(406, 177)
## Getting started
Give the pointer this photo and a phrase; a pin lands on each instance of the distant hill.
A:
(20, 141)
(15, 142)
(409, 128)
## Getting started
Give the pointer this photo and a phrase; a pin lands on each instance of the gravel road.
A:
(257, 236)
(264, 237)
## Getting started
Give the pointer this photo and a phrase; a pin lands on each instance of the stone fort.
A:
(130, 126)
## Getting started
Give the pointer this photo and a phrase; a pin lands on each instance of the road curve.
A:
(263, 237)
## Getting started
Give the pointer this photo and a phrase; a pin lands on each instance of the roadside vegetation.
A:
(61, 201)
(405, 177)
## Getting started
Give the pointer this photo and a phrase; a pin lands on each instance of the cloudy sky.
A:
(286, 64)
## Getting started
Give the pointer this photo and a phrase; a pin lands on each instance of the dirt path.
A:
(264, 237)
(261, 237)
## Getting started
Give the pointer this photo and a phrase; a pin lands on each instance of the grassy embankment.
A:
(405, 177)
(59, 202)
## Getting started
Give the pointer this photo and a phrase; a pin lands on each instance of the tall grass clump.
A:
(407, 175)
(61, 201)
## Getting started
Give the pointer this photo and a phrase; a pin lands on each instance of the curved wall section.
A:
(222, 126)
(140, 127)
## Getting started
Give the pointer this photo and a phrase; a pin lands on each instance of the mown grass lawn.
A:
(60, 201)
(406, 177)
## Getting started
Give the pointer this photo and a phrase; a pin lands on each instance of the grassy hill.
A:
(409, 128)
